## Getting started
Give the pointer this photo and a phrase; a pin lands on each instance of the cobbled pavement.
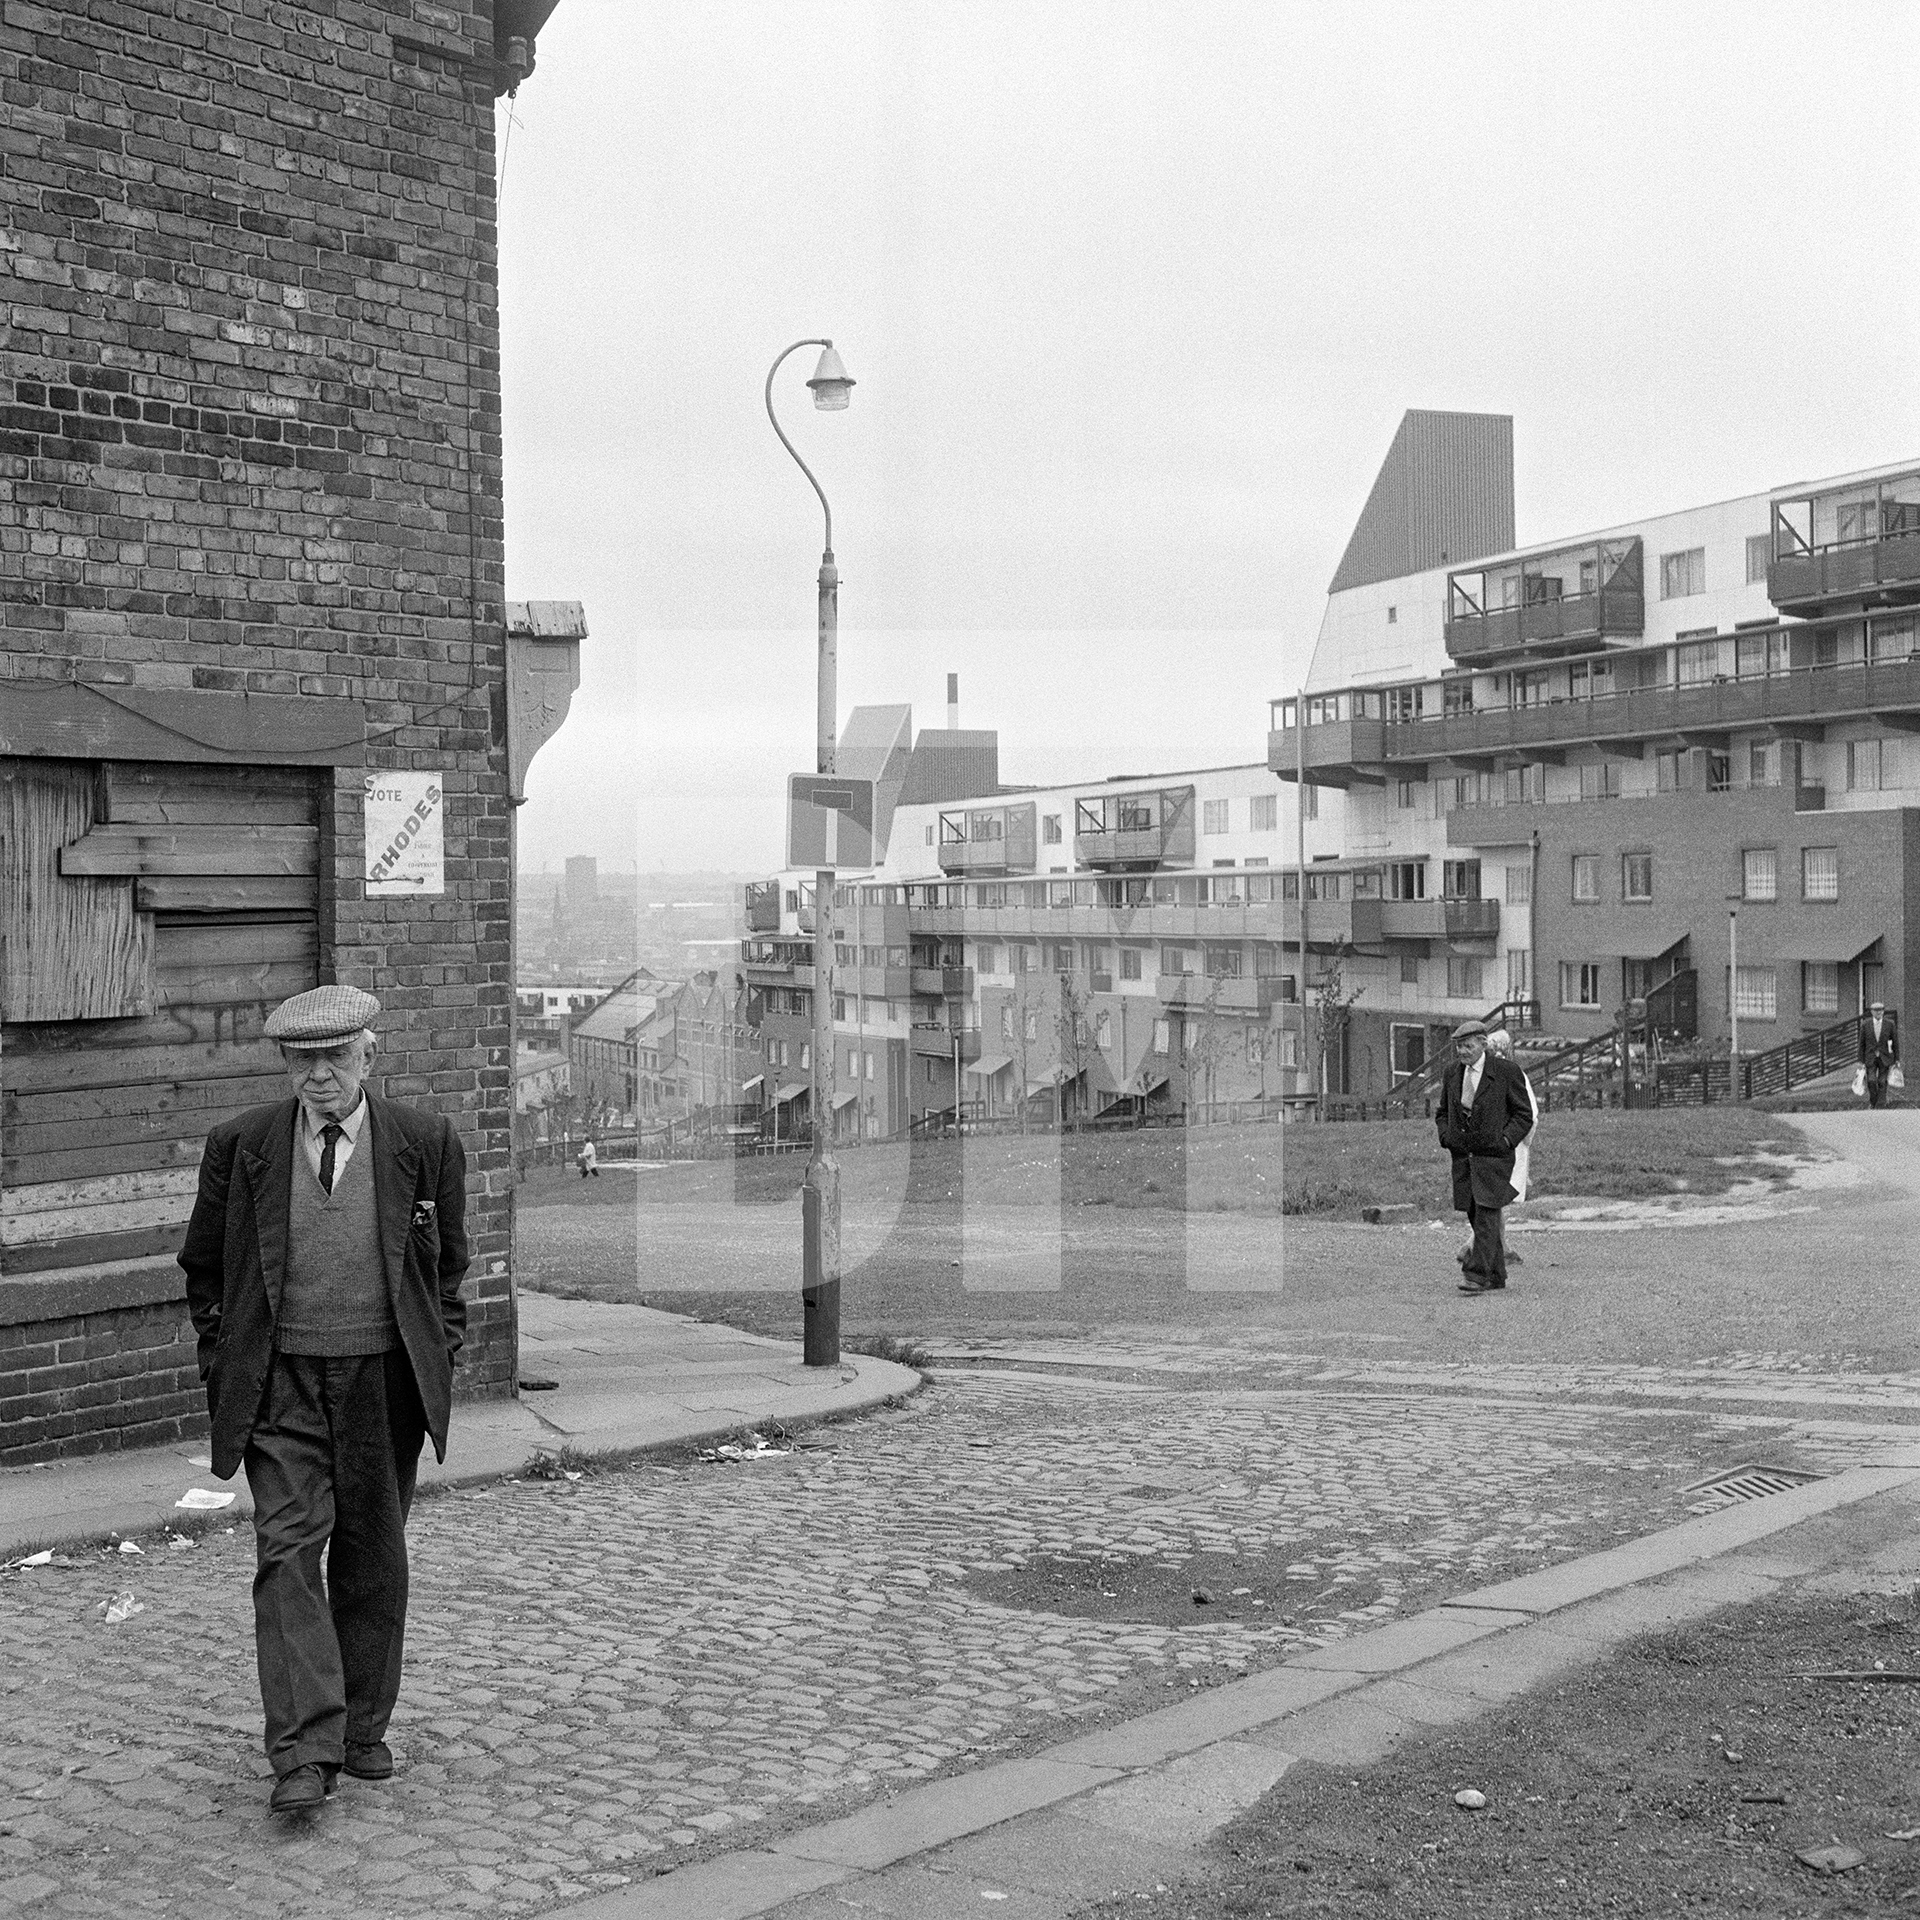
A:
(607, 1677)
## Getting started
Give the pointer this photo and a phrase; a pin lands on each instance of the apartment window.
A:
(1586, 879)
(1526, 783)
(1579, 983)
(1061, 957)
(1530, 689)
(1050, 829)
(1820, 873)
(1224, 963)
(1456, 696)
(1759, 551)
(1289, 886)
(1753, 993)
(1409, 969)
(806, 1059)
(1162, 1037)
(1891, 640)
(1820, 986)
(1759, 874)
(1758, 654)
(1006, 1022)
(929, 843)
(986, 957)
(1403, 793)
(1682, 574)
(1263, 813)
(1176, 960)
(1393, 615)
(1031, 1027)
(1636, 876)
(1697, 662)
(1326, 886)
(1309, 801)
(1020, 959)
(1763, 768)
(1407, 880)
(1213, 816)
(1863, 766)
(1103, 1029)
(1673, 772)
(1289, 1048)
(1517, 970)
(1600, 781)
(1719, 773)
(1129, 963)
(1405, 703)
(1519, 886)
(1463, 977)
(1460, 879)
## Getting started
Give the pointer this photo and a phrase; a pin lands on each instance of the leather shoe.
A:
(302, 1789)
(372, 1760)
(1474, 1286)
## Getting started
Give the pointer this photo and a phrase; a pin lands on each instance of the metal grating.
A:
(1752, 1482)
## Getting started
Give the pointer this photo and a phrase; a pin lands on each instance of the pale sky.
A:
(1135, 296)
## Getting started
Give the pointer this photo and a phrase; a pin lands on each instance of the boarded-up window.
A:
(102, 1119)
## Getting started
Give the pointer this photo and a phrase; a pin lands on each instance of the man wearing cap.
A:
(1485, 1112)
(1879, 1050)
(323, 1263)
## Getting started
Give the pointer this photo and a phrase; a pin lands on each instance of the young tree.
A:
(1077, 1046)
(1207, 1041)
(1332, 1002)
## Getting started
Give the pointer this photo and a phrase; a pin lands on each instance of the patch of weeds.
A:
(902, 1349)
(567, 1463)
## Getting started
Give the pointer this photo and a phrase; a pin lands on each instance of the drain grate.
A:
(1751, 1482)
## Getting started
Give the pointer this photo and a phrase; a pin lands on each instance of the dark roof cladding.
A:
(1443, 496)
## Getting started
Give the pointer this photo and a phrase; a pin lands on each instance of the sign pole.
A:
(820, 1196)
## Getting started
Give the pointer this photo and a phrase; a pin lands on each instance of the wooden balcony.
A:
(1849, 545)
(763, 906)
(1106, 835)
(1541, 604)
(1339, 753)
(950, 983)
(1249, 995)
(931, 1040)
(1573, 624)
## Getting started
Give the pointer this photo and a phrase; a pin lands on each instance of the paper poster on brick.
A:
(406, 847)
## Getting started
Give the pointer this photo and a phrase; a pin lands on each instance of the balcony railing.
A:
(763, 906)
(988, 840)
(950, 983)
(1137, 831)
(1846, 543)
(1216, 993)
(1805, 695)
(933, 1041)
(1472, 919)
(1548, 602)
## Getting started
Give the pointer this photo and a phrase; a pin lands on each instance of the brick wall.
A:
(250, 437)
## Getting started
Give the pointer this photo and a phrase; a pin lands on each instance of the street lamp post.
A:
(820, 1195)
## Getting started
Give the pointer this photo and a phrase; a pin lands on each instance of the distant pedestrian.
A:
(589, 1161)
(1879, 1051)
(323, 1263)
(1486, 1111)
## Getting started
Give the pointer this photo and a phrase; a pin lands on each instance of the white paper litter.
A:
(204, 1500)
(44, 1558)
(122, 1609)
(128, 1546)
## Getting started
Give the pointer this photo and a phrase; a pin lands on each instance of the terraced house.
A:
(1674, 761)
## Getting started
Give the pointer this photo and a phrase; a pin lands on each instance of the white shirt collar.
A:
(314, 1126)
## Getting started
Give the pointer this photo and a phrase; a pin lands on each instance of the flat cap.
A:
(1470, 1030)
(322, 1017)
(1876, 1006)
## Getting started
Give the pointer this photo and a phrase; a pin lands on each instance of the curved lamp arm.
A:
(788, 444)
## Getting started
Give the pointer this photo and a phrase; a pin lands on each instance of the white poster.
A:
(406, 849)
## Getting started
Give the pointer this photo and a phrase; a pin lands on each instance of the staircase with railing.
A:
(1808, 1057)
(1418, 1092)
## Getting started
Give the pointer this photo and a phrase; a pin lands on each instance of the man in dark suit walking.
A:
(1484, 1115)
(323, 1263)
(1879, 1050)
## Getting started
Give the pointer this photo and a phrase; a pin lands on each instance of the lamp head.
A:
(831, 383)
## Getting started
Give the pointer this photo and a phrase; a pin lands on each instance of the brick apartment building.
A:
(1673, 761)
(254, 652)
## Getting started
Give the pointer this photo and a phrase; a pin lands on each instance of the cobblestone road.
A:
(606, 1676)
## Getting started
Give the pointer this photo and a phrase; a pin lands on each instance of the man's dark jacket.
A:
(1482, 1138)
(235, 1255)
(1882, 1050)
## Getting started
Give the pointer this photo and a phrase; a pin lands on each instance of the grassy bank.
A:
(1329, 1171)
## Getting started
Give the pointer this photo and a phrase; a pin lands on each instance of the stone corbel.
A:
(543, 669)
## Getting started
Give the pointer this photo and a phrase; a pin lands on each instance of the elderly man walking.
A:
(1486, 1110)
(323, 1263)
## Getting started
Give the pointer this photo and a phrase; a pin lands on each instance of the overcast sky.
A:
(1135, 296)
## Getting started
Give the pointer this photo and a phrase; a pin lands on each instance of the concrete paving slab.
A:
(1405, 1643)
(930, 1816)
(737, 1886)
(1062, 1854)
(928, 1893)
(1217, 1714)
(1184, 1802)
(1675, 1547)
(1350, 1730)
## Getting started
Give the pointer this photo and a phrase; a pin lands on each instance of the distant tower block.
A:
(583, 879)
(953, 703)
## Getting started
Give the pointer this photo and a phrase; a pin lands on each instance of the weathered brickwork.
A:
(250, 442)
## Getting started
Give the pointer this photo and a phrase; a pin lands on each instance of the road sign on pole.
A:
(829, 822)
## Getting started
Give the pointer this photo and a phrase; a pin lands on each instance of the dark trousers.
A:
(331, 1466)
(1877, 1071)
(1488, 1260)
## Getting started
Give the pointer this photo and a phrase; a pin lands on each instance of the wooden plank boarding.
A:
(190, 724)
(122, 1156)
(134, 851)
(114, 1066)
(142, 1100)
(184, 796)
(208, 893)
